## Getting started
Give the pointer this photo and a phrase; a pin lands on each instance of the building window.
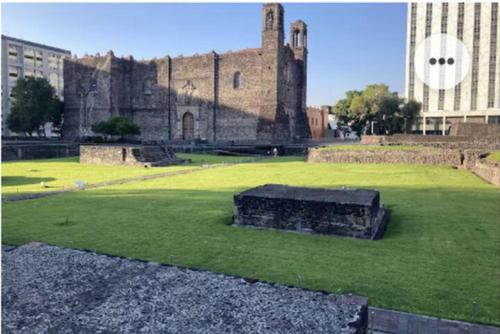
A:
(39, 57)
(428, 26)
(460, 37)
(29, 72)
(148, 87)
(13, 53)
(269, 20)
(237, 80)
(53, 61)
(29, 57)
(493, 55)
(444, 30)
(13, 72)
(54, 80)
(296, 38)
(475, 55)
(413, 33)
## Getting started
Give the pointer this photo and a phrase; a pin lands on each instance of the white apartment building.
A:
(22, 58)
(475, 93)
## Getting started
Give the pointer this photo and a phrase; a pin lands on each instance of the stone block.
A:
(355, 213)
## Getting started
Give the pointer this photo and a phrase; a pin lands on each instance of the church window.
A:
(269, 20)
(237, 80)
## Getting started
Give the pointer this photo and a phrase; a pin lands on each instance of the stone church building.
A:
(249, 95)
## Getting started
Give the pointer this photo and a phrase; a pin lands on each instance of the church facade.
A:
(249, 95)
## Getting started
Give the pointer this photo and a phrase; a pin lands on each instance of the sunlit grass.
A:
(494, 156)
(32, 176)
(441, 251)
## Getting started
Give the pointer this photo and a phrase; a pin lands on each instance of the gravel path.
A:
(48, 289)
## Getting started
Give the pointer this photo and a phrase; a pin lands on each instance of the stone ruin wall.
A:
(445, 142)
(488, 171)
(432, 157)
(475, 130)
(132, 155)
(470, 159)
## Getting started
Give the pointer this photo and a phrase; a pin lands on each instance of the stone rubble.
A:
(47, 289)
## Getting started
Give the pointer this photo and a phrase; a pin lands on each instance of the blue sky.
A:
(350, 45)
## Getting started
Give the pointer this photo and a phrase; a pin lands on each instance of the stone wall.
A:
(133, 155)
(254, 94)
(11, 152)
(488, 170)
(475, 130)
(430, 156)
(355, 213)
(447, 142)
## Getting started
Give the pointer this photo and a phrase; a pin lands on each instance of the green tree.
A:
(342, 109)
(388, 118)
(409, 113)
(33, 103)
(376, 105)
(117, 126)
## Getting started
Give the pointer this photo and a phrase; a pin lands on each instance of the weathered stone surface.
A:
(445, 142)
(37, 150)
(256, 94)
(488, 171)
(433, 157)
(47, 289)
(346, 212)
(135, 155)
(475, 130)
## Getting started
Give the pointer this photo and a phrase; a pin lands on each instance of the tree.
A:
(344, 113)
(409, 112)
(33, 103)
(376, 105)
(387, 117)
(117, 126)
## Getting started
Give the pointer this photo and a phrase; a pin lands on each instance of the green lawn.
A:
(494, 156)
(23, 177)
(441, 251)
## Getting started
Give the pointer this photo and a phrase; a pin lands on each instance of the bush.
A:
(117, 126)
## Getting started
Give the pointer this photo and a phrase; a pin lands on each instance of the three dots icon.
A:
(441, 61)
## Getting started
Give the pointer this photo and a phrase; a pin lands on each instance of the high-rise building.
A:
(453, 63)
(21, 58)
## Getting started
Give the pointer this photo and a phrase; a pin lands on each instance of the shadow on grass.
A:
(50, 160)
(12, 181)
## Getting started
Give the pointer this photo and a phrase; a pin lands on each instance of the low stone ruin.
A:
(355, 213)
(132, 155)
(429, 156)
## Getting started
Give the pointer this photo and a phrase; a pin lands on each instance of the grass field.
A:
(494, 156)
(441, 251)
(24, 177)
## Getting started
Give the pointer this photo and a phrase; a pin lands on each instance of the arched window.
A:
(269, 20)
(296, 38)
(237, 80)
(187, 126)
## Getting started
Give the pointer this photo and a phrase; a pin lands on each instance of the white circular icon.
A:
(441, 61)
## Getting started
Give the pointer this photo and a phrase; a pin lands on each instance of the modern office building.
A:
(453, 63)
(22, 59)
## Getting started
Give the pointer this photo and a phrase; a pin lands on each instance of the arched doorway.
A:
(187, 126)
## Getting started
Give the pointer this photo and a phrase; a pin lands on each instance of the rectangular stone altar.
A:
(356, 213)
